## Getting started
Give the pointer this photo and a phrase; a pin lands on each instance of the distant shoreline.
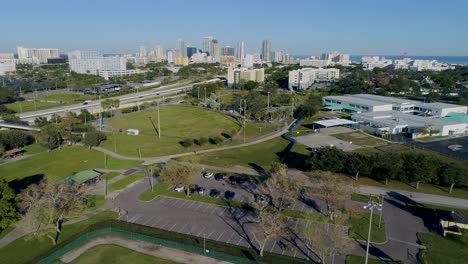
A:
(463, 60)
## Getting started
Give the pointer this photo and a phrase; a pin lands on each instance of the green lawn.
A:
(117, 255)
(61, 163)
(34, 149)
(5, 231)
(112, 175)
(255, 129)
(26, 249)
(68, 98)
(357, 197)
(177, 123)
(126, 181)
(27, 106)
(448, 250)
(360, 260)
(360, 139)
(360, 226)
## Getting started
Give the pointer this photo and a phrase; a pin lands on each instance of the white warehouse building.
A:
(303, 78)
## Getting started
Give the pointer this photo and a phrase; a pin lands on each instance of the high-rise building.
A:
(227, 51)
(92, 62)
(215, 50)
(35, 55)
(182, 46)
(247, 61)
(207, 45)
(158, 53)
(171, 55)
(7, 67)
(266, 50)
(236, 75)
(240, 51)
(7, 56)
(142, 52)
(191, 51)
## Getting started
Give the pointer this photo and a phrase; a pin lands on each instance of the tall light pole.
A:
(159, 123)
(370, 206)
(268, 102)
(205, 94)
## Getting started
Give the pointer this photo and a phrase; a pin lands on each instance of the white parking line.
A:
(215, 207)
(238, 243)
(163, 226)
(272, 247)
(303, 207)
(175, 202)
(172, 227)
(182, 229)
(220, 235)
(201, 231)
(182, 205)
(191, 204)
(222, 213)
(199, 204)
(149, 220)
(155, 224)
(210, 234)
(230, 237)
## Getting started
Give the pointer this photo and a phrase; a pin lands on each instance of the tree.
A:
(327, 159)
(46, 205)
(188, 142)
(250, 85)
(270, 224)
(336, 190)
(178, 173)
(357, 163)
(8, 209)
(325, 241)
(52, 136)
(41, 121)
(279, 187)
(310, 107)
(110, 104)
(11, 139)
(94, 138)
(85, 116)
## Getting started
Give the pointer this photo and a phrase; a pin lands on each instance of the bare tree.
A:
(326, 240)
(46, 205)
(270, 224)
(180, 173)
(336, 190)
(280, 187)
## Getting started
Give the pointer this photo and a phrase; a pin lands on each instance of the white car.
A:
(179, 188)
(208, 175)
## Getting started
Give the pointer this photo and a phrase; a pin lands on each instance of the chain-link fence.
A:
(112, 229)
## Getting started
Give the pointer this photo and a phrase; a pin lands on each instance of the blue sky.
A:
(391, 27)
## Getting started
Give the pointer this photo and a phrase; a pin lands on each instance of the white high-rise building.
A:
(305, 77)
(36, 55)
(266, 50)
(214, 53)
(182, 46)
(92, 62)
(142, 52)
(207, 45)
(247, 61)
(171, 55)
(158, 53)
(7, 56)
(240, 50)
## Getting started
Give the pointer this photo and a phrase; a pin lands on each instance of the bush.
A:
(226, 135)
(216, 140)
(188, 142)
(94, 138)
(201, 141)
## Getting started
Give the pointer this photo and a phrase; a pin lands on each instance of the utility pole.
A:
(381, 208)
(205, 94)
(370, 206)
(245, 110)
(268, 102)
(151, 177)
(159, 123)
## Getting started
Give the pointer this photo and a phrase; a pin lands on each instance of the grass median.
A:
(359, 227)
(449, 250)
(121, 184)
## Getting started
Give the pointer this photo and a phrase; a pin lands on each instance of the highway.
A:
(125, 101)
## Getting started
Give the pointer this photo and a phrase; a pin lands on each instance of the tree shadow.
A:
(153, 125)
(19, 185)
(259, 169)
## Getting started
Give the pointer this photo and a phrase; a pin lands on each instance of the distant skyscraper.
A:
(207, 45)
(266, 50)
(142, 52)
(35, 55)
(158, 52)
(182, 46)
(240, 51)
(214, 52)
(191, 51)
(227, 51)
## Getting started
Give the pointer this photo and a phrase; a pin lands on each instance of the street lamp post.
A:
(268, 102)
(371, 206)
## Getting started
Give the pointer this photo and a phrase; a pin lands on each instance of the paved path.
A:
(142, 247)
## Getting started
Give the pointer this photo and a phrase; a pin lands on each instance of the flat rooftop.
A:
(356, 100)
(386, 99)
(439, 105)
(399, 118)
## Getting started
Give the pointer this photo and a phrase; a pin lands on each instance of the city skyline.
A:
(390, 28)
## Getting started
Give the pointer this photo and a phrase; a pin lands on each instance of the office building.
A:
(7, 67)
(207, 45)
(314, 63)
(182, 46)
(158, 53)
(7, 56)
(36, 55)
(92, 62)
(236, 75)
(240, 50)
(181, 61)
(142, 52)
(199, 57)
(191, 51)
(227, 51)
(214, 53)
(247, 61)
(303, 78)
(266, 50)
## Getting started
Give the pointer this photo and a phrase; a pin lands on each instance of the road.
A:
(125, 100)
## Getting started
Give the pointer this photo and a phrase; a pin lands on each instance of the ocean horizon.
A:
(463, 60)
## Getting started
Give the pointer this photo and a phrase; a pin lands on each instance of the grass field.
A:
(360, 226)
(360, 139)
(126, 181)
(26, 249)
(27, 106)
(360, 260)
(68, 98)
(117, 255)
(357, 197)
(61, 163)
(111, 175)
(255, 129)
(448, 250)
(177, 123)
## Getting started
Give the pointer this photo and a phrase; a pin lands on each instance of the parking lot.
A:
(456, 147)
(230, 225)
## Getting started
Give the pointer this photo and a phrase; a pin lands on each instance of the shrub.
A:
(186, 142)
(216, 140)
(201, 141)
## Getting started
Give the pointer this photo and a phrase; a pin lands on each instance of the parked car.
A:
(201, 190)
(215, 193)
(229, 195)
(242, 179)
(208, 175)
(179, 188)
(286, 205)
(220, 176)
(232, 180)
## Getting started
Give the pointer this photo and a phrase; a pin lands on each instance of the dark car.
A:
(215, 193)
(220, 176)
(242, 179)
(228, 195)
(232, 180)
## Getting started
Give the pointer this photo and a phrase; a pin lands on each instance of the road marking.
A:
(191, 204)
(222, 213)
(230, 237)
(182, 205)
(210, 234)
(215, 207)
(182, 229)
(303, 207)
(201, 231)
(172, 227)
(155, 223)
(149, 220)
(199, 204)
(163, 226)
(175, 202)
(221, 235)
(273, 246)
(238, 243)
(409, 243)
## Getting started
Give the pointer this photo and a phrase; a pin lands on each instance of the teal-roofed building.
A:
(86, 176)
(457, 117)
